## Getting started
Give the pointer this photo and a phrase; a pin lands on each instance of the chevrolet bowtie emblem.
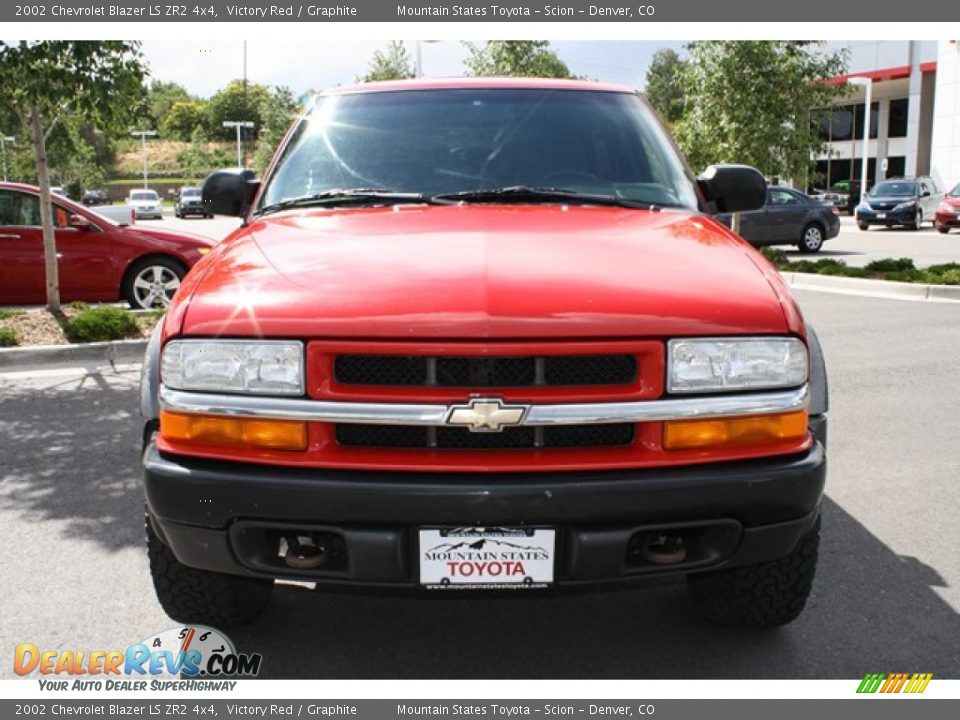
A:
(485, 415)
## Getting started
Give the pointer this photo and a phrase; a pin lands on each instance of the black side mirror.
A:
(926, 193)
(230, 192)
(733, 188)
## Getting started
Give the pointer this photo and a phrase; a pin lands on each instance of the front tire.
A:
(811, 239)
(199, 597)
(863, 226)
(917, 220)
(759, 596)
(943, 229)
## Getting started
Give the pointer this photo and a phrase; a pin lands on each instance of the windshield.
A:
(190, 192)
(151, 195)
(431, 142)
(895, 188)
(955, 192)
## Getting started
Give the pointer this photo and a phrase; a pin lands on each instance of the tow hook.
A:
(303, 552)
(663, 549)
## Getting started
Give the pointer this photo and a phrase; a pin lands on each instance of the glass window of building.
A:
(899, 109)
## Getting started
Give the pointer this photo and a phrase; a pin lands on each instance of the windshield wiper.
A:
(344, 197)
(523, 193)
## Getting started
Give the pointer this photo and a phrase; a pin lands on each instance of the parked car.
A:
(92, 198)
(789, 217)
(119, 214)
(57, 190)
(99, 260)
(948, 213)
(521, 354)
(899, 201)
(190, 202)
(146, 204)
(843, 195)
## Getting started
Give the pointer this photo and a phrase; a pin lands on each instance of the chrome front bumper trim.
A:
(686, 408)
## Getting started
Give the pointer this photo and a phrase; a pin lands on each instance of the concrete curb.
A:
(116, 352)
(873, 288)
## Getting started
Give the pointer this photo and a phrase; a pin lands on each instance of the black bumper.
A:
(225, 517)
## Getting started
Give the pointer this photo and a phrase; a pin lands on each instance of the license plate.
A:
(486, 557)
(881, 216)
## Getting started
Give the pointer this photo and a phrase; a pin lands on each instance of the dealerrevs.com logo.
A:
(192, 657)
(887, 683)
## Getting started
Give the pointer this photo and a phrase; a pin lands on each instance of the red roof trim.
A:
(894, 73)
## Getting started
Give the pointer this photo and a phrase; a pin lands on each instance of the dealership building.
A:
(914, 116)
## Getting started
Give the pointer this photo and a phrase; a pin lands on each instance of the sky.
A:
(205, 67)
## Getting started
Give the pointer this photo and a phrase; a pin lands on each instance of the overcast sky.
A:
(205, 67)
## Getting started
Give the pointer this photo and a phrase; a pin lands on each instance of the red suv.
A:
(99, 260)
(483, 335)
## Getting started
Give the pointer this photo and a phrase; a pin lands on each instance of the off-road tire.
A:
(200, 597)
(759, 596)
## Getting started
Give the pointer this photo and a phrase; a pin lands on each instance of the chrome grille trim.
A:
(685, 408)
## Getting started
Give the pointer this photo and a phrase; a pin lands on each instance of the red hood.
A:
(480, 271)
(952, 201)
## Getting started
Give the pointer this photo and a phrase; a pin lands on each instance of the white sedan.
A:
(146, 204)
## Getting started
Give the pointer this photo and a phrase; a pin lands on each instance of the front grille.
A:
(485, 372)
(515, 438)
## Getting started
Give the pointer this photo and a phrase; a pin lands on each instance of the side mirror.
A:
(733, 188)
(78, 222)
(926, 193)
(230, 192)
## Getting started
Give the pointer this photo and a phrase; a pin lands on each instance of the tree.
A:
(278, 111)
(392, 63)
(236, 101)
(664, 88)
(754, 102)
(515, 58)
(42, 82)
(183, 119)
(160, 99)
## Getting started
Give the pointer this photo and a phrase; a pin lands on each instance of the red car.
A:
(948, 212)
(483, 335)
(100, 261)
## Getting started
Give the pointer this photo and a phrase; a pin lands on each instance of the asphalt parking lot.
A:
(853, 246)
(886, 598)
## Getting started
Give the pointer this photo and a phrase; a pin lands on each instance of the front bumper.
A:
(890, 217)
(193, 210)
(218, 516)
(947, 220)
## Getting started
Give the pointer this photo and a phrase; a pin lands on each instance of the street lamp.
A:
(143, 135)
(868, 84)
(418, 66)
(238, 124)
(4, 139)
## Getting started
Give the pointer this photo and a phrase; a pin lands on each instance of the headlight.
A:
(723, 364)
(262, 367)
(906, 205)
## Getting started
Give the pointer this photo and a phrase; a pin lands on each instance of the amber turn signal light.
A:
(731, 432)
(234, 432)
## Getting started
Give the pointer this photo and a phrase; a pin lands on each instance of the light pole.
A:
(868, 84)
(143, 135)
(418, 60)
(4, 139)
(238, 124)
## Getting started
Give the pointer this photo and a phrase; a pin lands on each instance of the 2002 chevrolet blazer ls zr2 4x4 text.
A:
(483, 334)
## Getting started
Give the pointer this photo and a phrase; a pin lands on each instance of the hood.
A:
(176, 237)
(952, 201)
(485, 271)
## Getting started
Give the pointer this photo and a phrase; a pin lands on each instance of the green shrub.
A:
(78, 305)
(10, 314)
(947, 277)
(101, 323)
(774, 255)
(943, 268)
(8, 337)
(890, 265)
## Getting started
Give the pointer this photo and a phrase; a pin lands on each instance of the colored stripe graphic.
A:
(894, 683)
